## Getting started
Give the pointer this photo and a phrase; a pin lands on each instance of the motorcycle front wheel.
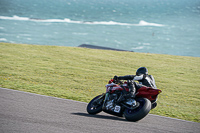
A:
(94, 107)
(140, 112)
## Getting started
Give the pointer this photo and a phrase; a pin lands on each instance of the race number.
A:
(117, 109)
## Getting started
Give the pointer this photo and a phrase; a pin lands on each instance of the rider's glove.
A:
(115, 77)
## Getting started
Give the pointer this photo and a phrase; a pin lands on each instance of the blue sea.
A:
(148, 26)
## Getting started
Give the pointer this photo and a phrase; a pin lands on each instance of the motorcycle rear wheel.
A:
(140, 112)
(92, 108)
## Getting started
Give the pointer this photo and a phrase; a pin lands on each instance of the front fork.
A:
(105, 99)
(99, 100)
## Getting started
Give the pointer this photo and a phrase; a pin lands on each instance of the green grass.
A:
(81, 74)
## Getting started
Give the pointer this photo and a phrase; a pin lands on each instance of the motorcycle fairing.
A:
(148, 92)
(113, 87)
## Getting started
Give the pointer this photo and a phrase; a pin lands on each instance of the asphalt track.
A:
(22, 112)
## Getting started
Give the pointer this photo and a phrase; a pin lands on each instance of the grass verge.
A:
(81, 74)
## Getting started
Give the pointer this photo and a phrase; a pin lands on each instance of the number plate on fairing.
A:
(117, 109)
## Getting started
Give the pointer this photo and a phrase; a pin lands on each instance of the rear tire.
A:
(140, 112)
(93, 108)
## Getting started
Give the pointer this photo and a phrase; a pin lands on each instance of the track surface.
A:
(22, 112)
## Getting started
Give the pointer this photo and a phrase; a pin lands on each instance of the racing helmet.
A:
(142, 70)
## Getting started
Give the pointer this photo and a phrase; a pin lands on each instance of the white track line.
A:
(42, 95)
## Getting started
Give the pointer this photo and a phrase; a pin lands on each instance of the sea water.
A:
(149, 26)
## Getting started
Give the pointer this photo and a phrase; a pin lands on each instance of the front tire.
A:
(93, 107)
(140, 112)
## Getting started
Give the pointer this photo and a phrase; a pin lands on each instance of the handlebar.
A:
(116, 81)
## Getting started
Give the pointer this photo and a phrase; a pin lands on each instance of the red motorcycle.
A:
(120, 102)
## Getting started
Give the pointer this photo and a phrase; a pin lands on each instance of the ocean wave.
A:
(67, 20)
(14, 18)
(3, 39)
(139, 47)
(143, 23)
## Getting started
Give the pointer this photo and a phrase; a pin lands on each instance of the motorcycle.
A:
(120, 102)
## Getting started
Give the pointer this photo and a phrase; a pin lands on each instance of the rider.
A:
(141, 76)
